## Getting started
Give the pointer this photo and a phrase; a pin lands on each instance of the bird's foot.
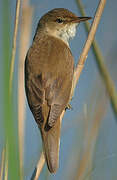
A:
(68, 107)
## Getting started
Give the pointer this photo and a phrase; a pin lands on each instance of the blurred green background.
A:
(88, 138)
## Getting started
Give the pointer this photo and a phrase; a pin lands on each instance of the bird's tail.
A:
(51, 142)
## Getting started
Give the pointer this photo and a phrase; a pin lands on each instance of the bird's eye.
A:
(59, 20)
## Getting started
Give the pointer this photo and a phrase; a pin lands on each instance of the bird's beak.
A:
(80, 19)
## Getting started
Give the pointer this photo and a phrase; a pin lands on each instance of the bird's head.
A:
(60, 23)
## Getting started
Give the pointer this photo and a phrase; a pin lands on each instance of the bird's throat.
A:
(66, 33)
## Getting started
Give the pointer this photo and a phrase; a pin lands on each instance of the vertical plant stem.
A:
(8, 118)
(14, 42)
(101, 66)
(83, 56)
(2, 164)
(39, 167)
(6, 164)
(26, 22)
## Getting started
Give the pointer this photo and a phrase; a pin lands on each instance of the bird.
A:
(49, 69)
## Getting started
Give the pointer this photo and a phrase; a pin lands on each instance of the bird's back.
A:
(48, 80)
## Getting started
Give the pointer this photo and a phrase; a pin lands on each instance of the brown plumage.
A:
(49, 68)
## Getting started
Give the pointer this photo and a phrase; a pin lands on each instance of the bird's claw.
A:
(68, 107)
